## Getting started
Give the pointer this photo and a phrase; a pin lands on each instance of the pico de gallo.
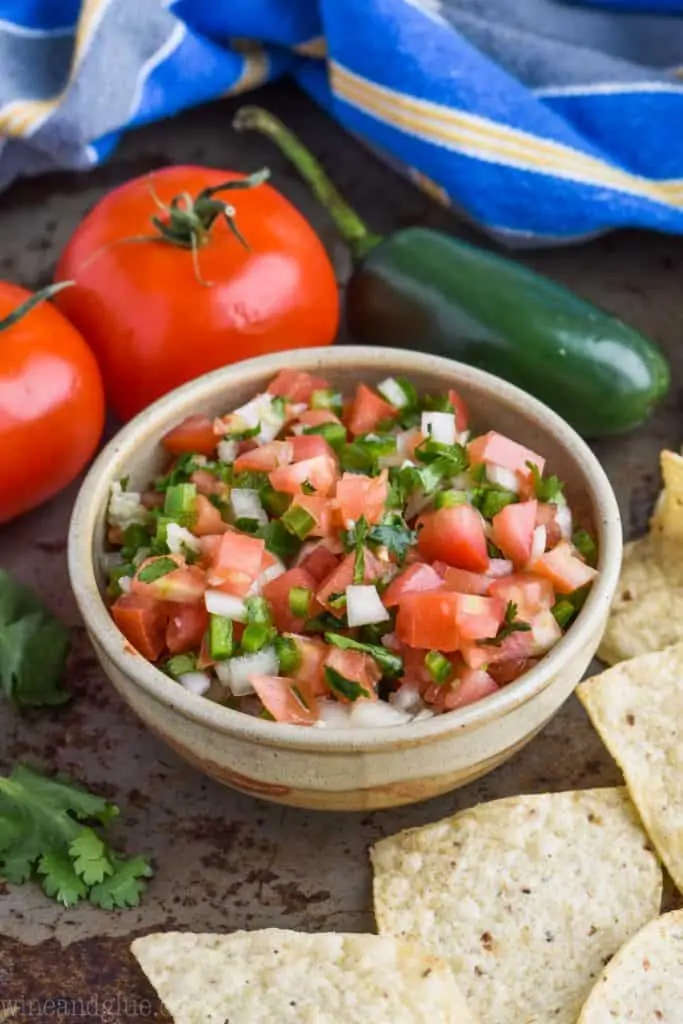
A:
(341, 562)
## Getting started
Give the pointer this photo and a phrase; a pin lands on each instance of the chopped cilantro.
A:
(33, 648)
(548, 489)
(451, 459)
(511, 624)
(394, 534)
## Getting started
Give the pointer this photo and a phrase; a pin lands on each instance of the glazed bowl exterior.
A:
(346, 769)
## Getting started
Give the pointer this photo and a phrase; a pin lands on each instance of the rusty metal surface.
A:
(223, 860)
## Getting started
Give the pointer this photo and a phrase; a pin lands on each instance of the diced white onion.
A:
(502, 477)
(298, 408)
(563, 518)
(407, 698)
(125, 508)
(393, 392)
(333, 715)
(423, 715)
(406, 463)
(371, 714)
(545, 632)
(227, 451)
(246, 504)
(440, 426)
(195, 682)
(463, 437)
(298, 429)
(236, 673)
(179, 539)
(259, 412)
(200, 460)
(125, 583)
(227, 605)
(538, 544)
(364, 606)
(499, 567)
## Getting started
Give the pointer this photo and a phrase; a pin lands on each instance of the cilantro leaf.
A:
(33, 647)
(391, 664)
(549, 489)
(43, 833)
(124, 887)
(348, 688)
(511, 624)
(394, 534)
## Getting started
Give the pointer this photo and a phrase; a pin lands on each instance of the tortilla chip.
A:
(644, 982)
(647, 611)
(283, 977)
(637, 708)
(525, 897)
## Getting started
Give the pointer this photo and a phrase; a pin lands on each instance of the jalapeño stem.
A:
(348, 223)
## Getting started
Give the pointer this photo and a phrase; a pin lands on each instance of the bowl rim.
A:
(217, 717)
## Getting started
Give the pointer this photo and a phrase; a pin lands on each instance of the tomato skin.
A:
(312, 653)
(465, 582)
(266, 457)
(142, 620)
(427, 620)
(193, 434)
(51, 404)
(529, 592)
(319, 561)
(277, 696)
(296, 385)
(513, 531)
(564, 569)
(355, 665)
(358, 496)
(476, 617)
(237, 563)
(367, 410)
(415, 579)
(320, 472)
(308, 446)
(462, 416)
(187, 624)
(472, 685)
(153, 325)
(208, 519)
(184, 585)
(454, 535)
(497, 450)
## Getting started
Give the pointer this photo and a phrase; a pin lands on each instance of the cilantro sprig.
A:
(34, 646)
(49, 831)
(511, 624)
(390, 664)
(549, 489)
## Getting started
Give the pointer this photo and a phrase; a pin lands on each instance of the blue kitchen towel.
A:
(541, 120)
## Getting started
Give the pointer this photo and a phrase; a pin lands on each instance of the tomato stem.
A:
(33, 301)
(352, 229)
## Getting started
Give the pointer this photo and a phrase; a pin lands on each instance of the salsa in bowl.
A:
(335, 559)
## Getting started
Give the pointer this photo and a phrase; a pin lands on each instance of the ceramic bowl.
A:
(346, 769)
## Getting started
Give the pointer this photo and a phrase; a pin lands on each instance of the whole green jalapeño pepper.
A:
(423, 289)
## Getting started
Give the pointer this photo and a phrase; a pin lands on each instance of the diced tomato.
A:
(358, 496)
(513, 531)
(237, 563)
(471, 686)
(208, 519)
(462, 416)
(184, 585)
(354, 665)
(476, 617)
(546, 515)
(277, 593)
(204, 659)
(296, 385)
(464, 582)
(367, 410)
(316, 418)
(564, 568)
(319, 560)
(142, 620)
(152, 499)
(268, 560)
(498, 450)
(529, 593)
(312, 653)
(308, 446)
(207, 483)
(286, 699)
(320, 472)
(319, 509)
(265, 458)
(427, 620)
(517, 645)
(187, 624)
(209, 545)
(545, 631)
(504, 672)
(415, 579)
(454, 535)
(195, 434)
(342, 576)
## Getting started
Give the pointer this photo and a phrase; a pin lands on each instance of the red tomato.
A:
(462, 416)
(547, 516)
(187, 624)
(184, 585)
(358, 496)
(529, 592)
(454, 535)
(237, 563)
(51, 404)
(153, 325)
(142, 620)
(513, 531)
(476, 617)
(516, 646)
(319, 509)
(415, 579)
(308, 446)
(564, 569)
(504, 672)
(206, 483)
(316, 417)
(312, 653)
(354, 665)
(342, 576)
(427, 620)
(465, 582)
(318, 560)
(286, 699)
(367, 410)
(296, 385)
(277, 593)
(208, 519)
(497, 450)
(194, 434)
(320, 472)
(265, 458)
(472, 685)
